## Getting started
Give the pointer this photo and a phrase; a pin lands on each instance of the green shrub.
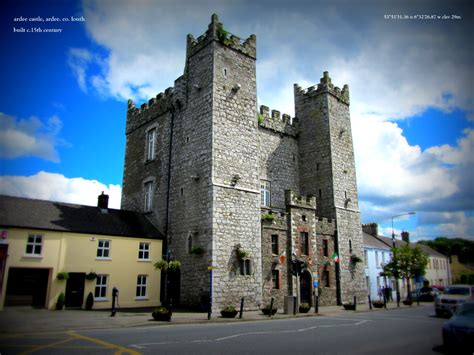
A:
(62, 276)
(268, 217)
(60, 302)
(89, 301)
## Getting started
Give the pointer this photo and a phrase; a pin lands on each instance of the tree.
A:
(407, 262)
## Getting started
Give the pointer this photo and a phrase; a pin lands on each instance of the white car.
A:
(452, 297)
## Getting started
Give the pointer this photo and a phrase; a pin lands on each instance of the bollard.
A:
(316, 304)
(398, 298)
(294, 306)
(385, 302)
(271, 306)
(370, 303)
(355, 303)
(241, 307)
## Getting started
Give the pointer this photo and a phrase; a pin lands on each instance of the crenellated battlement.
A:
(276, 122)
(136, 116)
(325, 86)
(216, 32)
(292, 199)
(325, 226)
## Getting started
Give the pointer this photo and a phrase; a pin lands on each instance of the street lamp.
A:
(393, 244)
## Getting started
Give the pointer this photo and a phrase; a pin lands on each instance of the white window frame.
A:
(36, 242)
(101, 284)
(366, 258)
(265, 193)
(141, 291)
(150, 144)
(105, 247)
(144, 250)
(377, 259)
(148, 193)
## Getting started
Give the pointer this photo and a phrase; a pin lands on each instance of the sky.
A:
(64, 93)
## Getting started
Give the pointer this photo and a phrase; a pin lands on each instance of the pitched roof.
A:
(400, 243)
(372, 242)
(58, 216)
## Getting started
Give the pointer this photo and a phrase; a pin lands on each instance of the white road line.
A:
(143, 345)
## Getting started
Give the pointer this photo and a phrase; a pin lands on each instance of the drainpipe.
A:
(167, 213)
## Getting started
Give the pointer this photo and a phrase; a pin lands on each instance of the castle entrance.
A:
(305, 288)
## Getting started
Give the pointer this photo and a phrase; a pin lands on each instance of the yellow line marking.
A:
(119, 349)
(41, 347)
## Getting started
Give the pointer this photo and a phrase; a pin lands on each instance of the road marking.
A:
(119, 349)
(144, 345)
(41, 347)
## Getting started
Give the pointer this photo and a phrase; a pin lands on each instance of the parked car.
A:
(452, 298)
(425, 294)
(458, 332)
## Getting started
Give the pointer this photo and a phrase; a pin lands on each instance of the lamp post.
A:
(397, 288)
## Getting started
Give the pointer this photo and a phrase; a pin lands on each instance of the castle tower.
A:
(327, 171)
(200, 182)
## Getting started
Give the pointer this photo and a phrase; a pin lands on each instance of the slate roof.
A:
(400, 243)
(58, 216)
(372, 242)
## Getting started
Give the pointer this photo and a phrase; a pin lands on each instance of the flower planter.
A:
(303, 309)
(229, 314)
(377, 304)
(162, 314)
(407, 302)
(349, 307)
(266, 311)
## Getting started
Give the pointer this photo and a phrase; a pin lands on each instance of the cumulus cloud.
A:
(395, 70)
(29, 137)
(57, 187)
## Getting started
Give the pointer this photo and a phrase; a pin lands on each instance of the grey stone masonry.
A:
(198, 157)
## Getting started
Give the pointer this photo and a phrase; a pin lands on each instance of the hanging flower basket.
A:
(91, 276)
(62, 276)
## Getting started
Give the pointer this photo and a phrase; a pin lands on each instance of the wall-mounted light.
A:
(236, 87)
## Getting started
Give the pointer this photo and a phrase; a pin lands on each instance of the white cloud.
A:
(29, 137)
(57, 187)
(395, 70)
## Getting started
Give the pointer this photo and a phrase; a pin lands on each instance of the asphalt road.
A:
(400, 331)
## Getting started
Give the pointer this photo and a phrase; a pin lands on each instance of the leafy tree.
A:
(407, 262)
(453, 246)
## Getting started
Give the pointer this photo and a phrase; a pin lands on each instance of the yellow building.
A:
(95, 249)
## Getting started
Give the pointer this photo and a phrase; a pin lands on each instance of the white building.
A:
(376, 255)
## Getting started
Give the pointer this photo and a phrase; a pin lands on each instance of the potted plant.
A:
(162, 313)
(355, 259)
(349, 306)
(91, 276)
(242, 254)
(304, 308)
(60, 302)
(407, 302)
(378, 304)
(62, 276)
(89, 301)
(229, 312)
(267, 310)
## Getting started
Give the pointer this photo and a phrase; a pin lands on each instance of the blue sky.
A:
(63, 102)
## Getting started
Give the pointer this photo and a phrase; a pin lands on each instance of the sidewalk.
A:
(28, 320)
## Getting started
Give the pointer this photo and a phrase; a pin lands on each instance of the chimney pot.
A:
(103, 201)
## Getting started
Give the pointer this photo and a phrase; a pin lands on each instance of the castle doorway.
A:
(305, 288)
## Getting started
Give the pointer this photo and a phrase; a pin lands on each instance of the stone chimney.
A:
(371, 228)
(103, 201)
(406, 237)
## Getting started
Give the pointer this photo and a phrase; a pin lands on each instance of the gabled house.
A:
(48, 248)
(376, 255)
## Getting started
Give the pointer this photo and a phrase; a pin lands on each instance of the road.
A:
(400, 331)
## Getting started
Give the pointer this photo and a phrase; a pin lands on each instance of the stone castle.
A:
(244, 192)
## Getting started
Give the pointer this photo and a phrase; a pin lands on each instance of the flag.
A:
(335, 257)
